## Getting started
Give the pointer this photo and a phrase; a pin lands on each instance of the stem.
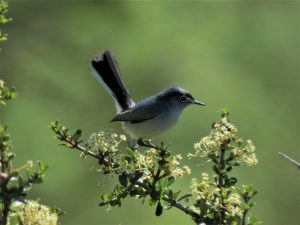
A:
(220, 184)
(5, 198)
(79, 147)
(246, 200)
(172, 202)
(222, 163)
(244, 222)
(138, 182)
(293, 161)
(157, 175)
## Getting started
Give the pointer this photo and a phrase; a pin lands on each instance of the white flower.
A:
(234, 199)
(105, 141)
(177, 172)
(175, 160)
(187, 170)
(196, 210)
(30, 164)
(34, 213)
(123, 137)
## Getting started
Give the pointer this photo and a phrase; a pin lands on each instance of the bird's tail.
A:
(106, 71)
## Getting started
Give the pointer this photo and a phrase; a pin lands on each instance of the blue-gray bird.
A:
(149, 117)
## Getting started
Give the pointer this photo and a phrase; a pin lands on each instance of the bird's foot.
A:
(145, 143)
(135, 145)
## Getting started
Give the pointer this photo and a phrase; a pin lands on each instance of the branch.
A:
(221, 183)
(173, 203)
(6, 200)
(75, 145)
(244, 221)
(140, 183)
(290, 159)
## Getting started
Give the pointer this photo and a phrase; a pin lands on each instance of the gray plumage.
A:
(148, 117)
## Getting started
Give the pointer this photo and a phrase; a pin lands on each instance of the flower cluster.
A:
(217, 196)
(148, 161)
(203, 190)
(148, 174)
(31, 212)
(3, 19)
(175, 169)
(207, 192)
(232, 205)
(105, 142)
(224, 135)
(246, 153)
(6, 93)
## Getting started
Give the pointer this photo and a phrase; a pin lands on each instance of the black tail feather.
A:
(107, 68)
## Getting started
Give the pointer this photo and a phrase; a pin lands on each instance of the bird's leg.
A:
(135, 144)
(145, 143)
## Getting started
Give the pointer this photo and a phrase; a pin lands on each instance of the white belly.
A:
(152, 127)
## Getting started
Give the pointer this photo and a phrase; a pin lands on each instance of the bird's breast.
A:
(152, 127)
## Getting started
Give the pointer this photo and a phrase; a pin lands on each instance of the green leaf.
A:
(170, 194)
(171, 180)
(163, 182)
(229, 168)
(253, 220)
(16, 205)
(37, 175)
(64, 130)
(104, 197)
(223, 193)
(137, 176)
(152, 201)
(75, 137)
(11, 155)
(13, 183)
(57, 211)
(128, 159)
(123, 179)
(176, 194)
(15, 220)
(184, 197)
(102, 203)
(248, 187)
(155, 195)
(203, 207)
(159, 209)
(216, 169)
(134, 192)
(230, 182)
(43, 166)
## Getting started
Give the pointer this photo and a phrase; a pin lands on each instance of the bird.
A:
(147, 118)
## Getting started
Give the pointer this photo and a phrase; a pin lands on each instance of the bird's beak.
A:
(198, 103)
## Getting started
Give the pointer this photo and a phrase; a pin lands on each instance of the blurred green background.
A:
(241, 55)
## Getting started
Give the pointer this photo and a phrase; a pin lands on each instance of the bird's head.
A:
(178, 96)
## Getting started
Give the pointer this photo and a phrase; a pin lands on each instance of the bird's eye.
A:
(183, 98)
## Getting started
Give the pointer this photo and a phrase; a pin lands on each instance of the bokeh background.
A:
(241, 55)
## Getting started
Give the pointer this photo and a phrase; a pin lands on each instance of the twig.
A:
(173, 203)
(75, 145)
(220, 184)
(4, 192)
(293, 161)
(246, 200)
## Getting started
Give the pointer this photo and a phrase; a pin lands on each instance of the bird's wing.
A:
(142, 111)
